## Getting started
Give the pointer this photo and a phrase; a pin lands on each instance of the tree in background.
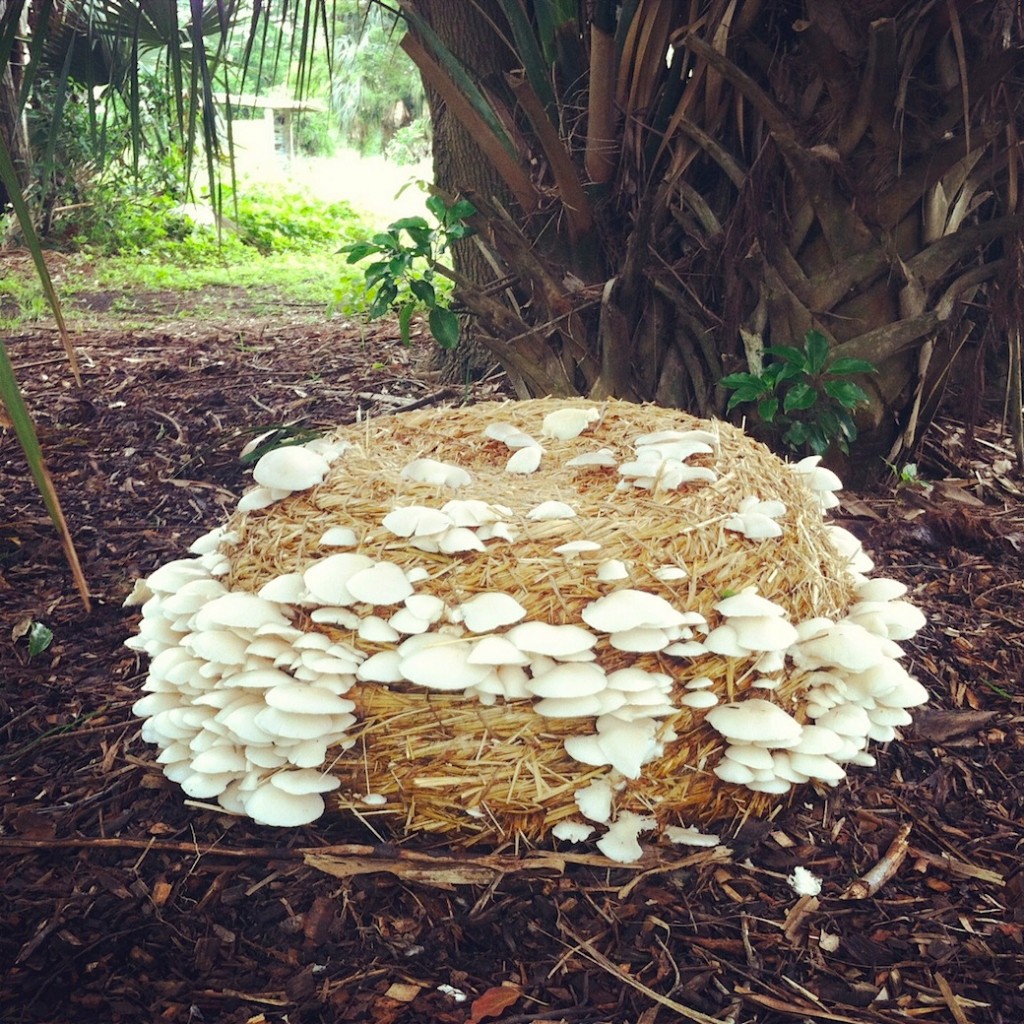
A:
(684, 184)
(667, 188)
(373, 94)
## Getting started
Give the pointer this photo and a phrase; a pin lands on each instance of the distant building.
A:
(263, 127)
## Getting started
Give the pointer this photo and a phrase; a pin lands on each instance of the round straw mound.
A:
(524, 618)
(449, 764)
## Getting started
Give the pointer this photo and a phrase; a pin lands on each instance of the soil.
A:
(121, 903)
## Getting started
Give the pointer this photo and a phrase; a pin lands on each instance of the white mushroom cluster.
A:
(661, 460)
(525, 596)
(242, 706)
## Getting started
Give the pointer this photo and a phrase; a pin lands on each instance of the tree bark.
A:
(460, 167)
(13, 128)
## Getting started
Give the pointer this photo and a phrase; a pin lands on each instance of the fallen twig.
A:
(868, 884)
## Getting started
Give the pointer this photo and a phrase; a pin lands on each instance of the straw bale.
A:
(449, 764)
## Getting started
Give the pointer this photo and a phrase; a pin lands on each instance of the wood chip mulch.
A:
(120, 903)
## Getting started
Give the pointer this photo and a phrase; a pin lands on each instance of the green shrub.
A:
(283, 222)
(804, 398)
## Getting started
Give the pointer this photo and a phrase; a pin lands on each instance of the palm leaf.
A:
(24, 430)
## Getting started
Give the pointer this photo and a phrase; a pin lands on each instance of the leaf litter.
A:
(124, 902)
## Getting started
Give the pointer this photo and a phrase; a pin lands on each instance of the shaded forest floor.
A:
(118, 903)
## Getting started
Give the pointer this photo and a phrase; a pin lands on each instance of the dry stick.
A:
(605, 964)
(951, 1000)
(387, 856)
(868, 884)
(806, 1012)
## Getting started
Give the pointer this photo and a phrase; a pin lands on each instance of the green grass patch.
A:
(275, 255)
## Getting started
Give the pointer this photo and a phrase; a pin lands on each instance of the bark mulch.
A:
(119, 903)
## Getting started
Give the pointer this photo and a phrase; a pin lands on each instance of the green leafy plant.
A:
(908, 477)
(40, 637)
(804, 397)
(404, 274)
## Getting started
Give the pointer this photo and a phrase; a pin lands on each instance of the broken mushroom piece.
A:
(621, 841)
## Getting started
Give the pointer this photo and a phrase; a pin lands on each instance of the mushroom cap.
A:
(753, 757)
(577, 679)
(442, 665)
(551, 510)
(763, 632)
(339, 537)
(595, 800)
(690, 836)
(496, 650)
(380, 583)
(524, 460)
(565, 424)
(237, 610)
(416, 521)
(748, 603)
(290, 468)
(723, 640)
(485, 612)
(603, 457)
(553, 641)
(640, 639)
(620, 842)
(289, 588)
(270, 805)
(509, 435)
(302, 698)
(304, 780)
(698, 699)
(439, 474)
(326, 578)
(631, 609)
(374, 629)
(572, 831)
(612, 569)
(755, 721)
(844, 645)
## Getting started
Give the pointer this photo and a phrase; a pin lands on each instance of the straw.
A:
(448, 764)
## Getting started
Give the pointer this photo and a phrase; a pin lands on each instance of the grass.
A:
(136, 257)
(135, 288)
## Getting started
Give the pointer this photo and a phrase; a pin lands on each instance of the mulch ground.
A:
(119, 903)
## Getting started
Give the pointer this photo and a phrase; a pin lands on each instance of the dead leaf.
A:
(855, 507)
(403, 992)
(494, 1002)
(938, 726)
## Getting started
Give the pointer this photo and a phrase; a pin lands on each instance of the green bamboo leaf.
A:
(9, 177)
(462, 209)
(530, 54)
(424, 291)
(39, 638)
(768, 409)
(358, 251)
(25, 431)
